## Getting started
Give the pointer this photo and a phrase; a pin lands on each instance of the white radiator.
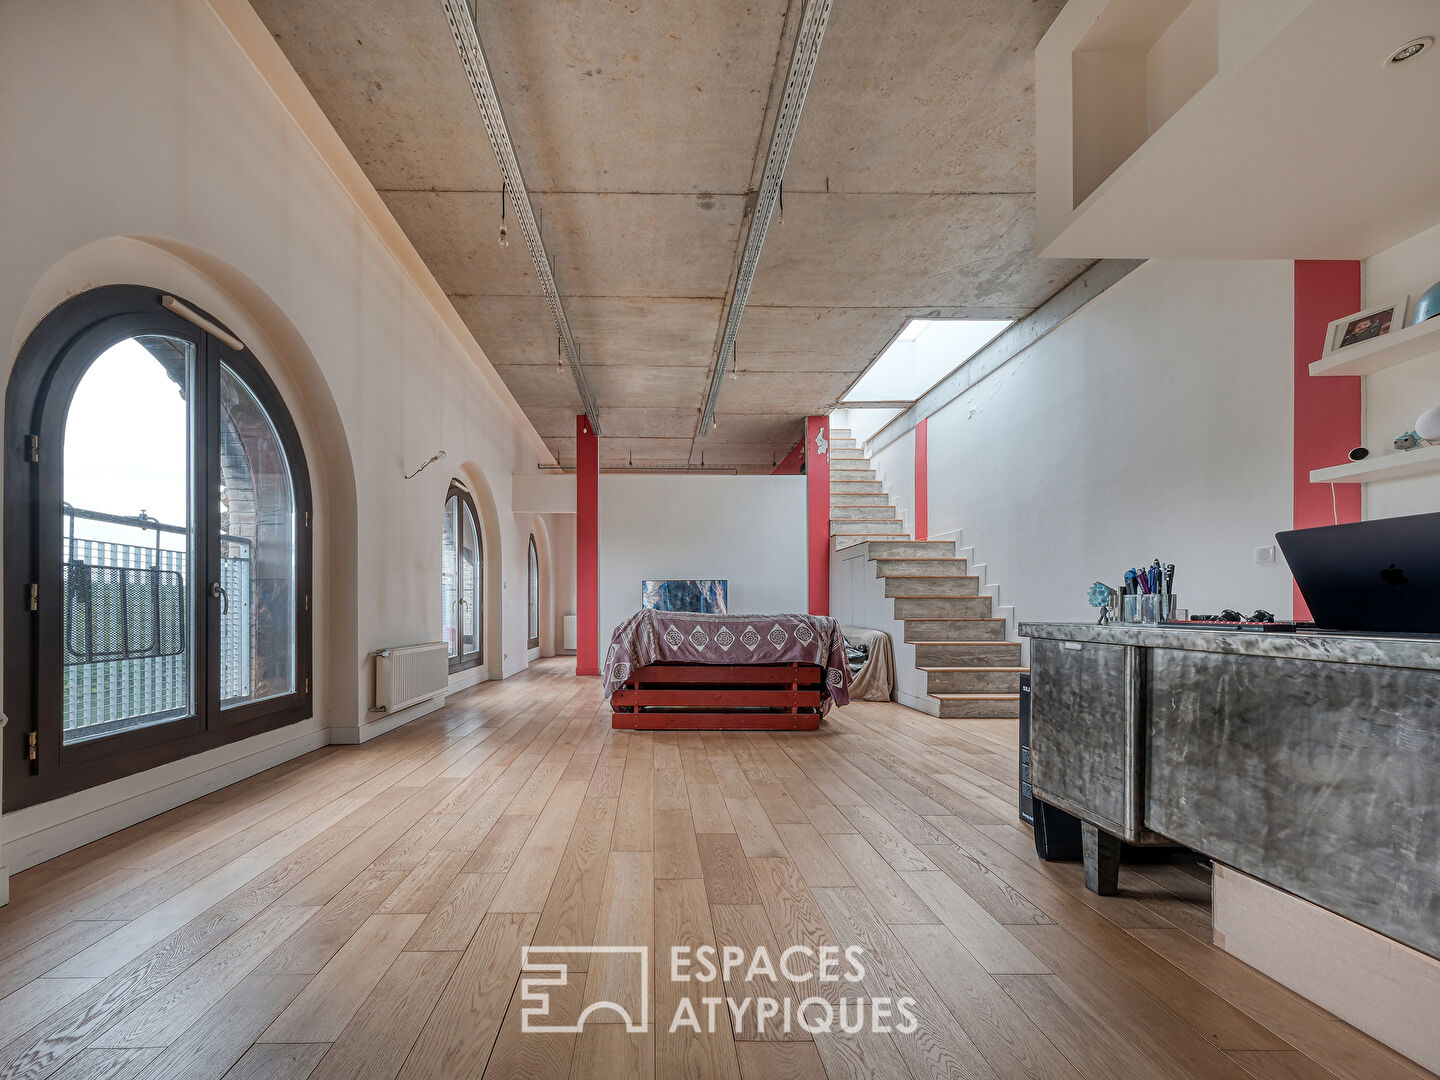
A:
(410, 673)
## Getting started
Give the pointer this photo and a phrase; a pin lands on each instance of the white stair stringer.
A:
(991, 589)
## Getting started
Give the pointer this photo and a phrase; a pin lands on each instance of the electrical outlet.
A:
(1265, 554)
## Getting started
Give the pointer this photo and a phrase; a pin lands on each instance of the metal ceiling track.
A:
(472, 56)
(787, 121)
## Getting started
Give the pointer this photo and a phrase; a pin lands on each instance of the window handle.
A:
(217, 591)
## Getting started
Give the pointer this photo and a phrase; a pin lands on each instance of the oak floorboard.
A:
(727, 875)
(329, 999)
(378, 1038)
(107, 1064)
(683, 920)
(361, 911)
(460, 1032)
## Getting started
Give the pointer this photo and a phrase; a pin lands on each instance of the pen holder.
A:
(1156, 607)
(1130, 607)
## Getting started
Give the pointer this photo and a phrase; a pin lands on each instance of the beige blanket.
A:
(875, 681)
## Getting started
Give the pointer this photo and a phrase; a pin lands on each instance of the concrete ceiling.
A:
(642, 129)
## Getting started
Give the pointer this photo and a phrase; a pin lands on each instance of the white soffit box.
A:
(1235, 129)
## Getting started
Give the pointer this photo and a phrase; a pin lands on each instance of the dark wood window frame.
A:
(46, 366)
(463, 661)
(532, 593)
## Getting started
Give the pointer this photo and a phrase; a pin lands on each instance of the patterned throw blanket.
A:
(679, 637)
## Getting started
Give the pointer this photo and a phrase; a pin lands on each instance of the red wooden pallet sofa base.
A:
(717, 697)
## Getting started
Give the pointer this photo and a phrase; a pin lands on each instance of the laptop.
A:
(1371, 576)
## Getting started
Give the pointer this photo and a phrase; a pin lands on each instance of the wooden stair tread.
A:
(945, 618)
(918, 558)
(928, 577)
(976, 697)
(997, 641)
(997, 667)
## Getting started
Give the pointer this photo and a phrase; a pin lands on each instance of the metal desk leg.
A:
(1102, 860)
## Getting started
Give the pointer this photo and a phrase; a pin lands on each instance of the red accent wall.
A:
(587, 549)
(922, 479)
(793, 463)
(817, 499)
(1327, 410)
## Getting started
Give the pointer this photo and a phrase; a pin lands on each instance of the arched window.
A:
(532, 598)
(160, 543)
(462, 573)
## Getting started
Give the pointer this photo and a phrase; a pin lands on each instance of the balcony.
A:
(128, 624)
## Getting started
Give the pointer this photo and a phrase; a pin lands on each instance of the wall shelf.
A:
(1397, 463)
(1380, 353)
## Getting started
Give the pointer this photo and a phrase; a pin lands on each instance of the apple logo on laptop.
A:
(1393, 576)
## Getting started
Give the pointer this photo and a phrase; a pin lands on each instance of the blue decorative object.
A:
(1428, 306)
(1408, 441)
(1103, 597)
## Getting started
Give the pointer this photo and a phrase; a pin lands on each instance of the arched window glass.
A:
(164, 550)
(257, 550)
(461, 580)
(129, 540)
(532, 597)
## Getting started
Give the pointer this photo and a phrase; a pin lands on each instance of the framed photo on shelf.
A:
(1365, 325)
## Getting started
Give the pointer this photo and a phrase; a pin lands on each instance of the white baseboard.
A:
(1382, 987)
(920, 703)
(37, 833)
(463, 680)
(4, 885)
(378, 723)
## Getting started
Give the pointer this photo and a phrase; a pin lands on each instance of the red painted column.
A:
(1327, 409)
(817, 500)
(587, 549)
(922, 479)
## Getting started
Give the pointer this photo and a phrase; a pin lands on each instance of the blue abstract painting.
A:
(704, 596)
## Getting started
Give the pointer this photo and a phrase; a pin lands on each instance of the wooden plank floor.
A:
(360, 912)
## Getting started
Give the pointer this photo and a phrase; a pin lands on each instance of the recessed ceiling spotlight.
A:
(1410, 50)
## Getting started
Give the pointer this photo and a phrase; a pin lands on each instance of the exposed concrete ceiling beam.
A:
(477, 70)
(787, 121)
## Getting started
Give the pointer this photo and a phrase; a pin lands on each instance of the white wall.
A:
(163, 156)
(1155, 421)
(862, 423)
(749, 530)
(1395, 397)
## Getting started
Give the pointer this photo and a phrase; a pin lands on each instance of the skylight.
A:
(922, 354)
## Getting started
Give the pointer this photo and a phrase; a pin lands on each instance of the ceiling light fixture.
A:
(1410, 50)
(504, 240)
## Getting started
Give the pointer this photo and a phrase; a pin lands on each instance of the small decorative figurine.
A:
(1103, 597)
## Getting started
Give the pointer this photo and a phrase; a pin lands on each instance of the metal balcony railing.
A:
(128, 626)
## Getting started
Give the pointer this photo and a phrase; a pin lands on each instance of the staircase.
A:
(961, 648)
